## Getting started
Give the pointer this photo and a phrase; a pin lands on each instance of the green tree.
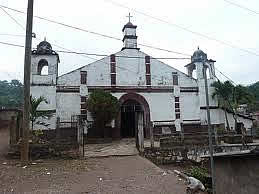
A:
(11, 94)
(254, 90)
(103, 108)
(242, 96)
(224, 94)
(34, 113)
(230, 97)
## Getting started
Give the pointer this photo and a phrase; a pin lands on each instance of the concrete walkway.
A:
(124, 147)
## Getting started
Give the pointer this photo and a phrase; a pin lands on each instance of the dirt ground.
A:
(128, 174)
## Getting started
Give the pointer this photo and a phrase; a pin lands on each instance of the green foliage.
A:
(38, 132)
(242, 96)
(230, 96)
(103, 107)
(200, 174)
(224, 92)
(34, 113)
(254, 89)
(11, 94)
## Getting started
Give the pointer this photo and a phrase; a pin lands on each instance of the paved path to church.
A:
(115, 175)
(124, 147)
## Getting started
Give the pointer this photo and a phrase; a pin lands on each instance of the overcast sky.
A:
(214, 18)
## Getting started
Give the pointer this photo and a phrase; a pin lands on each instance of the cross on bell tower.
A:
(130, 37)
(129, 16)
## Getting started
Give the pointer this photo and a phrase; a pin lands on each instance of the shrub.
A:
(103, 107)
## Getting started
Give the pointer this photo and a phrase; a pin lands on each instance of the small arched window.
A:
(43, 67)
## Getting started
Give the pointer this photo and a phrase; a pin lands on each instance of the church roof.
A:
(128, 25)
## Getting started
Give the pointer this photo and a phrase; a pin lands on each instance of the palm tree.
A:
(224, 92)
(34, 113)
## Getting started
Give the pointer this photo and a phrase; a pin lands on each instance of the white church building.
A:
(170, 99)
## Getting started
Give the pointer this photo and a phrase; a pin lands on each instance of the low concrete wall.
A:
(160, 155)
(237, 175)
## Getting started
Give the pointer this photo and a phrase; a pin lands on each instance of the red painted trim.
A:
(83, 77)
(113, 69)
(129, 89)
(176, 99)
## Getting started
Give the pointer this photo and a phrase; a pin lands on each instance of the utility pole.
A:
(27, 78)
(209, 128)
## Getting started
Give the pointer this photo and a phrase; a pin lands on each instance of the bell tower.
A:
(44, 64)
(44, 73)
(202, 65)
(129, 35)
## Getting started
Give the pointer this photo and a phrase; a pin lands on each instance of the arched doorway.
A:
(129, 118)
(132, 103)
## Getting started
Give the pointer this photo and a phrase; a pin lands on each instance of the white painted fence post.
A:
(140, 132)
(151, 134)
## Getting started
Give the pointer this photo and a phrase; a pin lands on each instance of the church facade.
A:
(166, 97)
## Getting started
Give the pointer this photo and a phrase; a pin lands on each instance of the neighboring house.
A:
(171, 99)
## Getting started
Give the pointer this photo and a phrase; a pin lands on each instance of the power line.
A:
(85, 54)
(15, 35)
(12, 18)
(11, 44)
(242, 7)
(68, 51)
(95, 33)
(185, 29)
(120, 56)
(225, 76)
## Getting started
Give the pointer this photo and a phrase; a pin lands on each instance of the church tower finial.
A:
(129, 16)
(129, 35)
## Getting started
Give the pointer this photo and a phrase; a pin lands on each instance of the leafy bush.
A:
(103, 107)
(202, 175)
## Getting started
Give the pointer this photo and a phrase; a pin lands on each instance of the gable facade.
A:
(168, 97)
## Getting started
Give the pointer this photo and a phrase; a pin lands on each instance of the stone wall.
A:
(66, 134)
(48, 150)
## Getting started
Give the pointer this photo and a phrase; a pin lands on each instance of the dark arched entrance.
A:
(126, 121)
(128, 118)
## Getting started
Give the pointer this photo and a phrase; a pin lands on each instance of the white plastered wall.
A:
(49, 93)
(68, 104)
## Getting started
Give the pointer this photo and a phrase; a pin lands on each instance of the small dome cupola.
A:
(129, 35)
(44, 48)
(199, 56)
